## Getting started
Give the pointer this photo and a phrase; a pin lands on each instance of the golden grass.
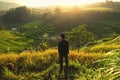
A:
(51, 54)
(104, 48)
(45, 63)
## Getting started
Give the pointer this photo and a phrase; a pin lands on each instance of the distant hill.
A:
(7, 5)
(109, 4)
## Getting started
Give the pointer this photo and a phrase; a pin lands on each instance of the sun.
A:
(37, 3)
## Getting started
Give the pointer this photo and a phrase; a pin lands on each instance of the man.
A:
(63, 49)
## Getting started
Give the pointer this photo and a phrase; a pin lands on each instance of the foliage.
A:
(112, 65)
(42, 46)
(8, 74)
(45, 65)
(102, 23)
(103, 45)
(80, 36)
(91, 63)
(20, 14)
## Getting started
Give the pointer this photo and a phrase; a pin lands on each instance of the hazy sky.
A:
(34, 3)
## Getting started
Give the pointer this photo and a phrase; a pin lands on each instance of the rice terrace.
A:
(60, 40)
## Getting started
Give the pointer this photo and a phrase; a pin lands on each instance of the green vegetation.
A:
(80, 36)
(44, 65)
(53, 24)
(9, 42)
(104, 45)
(20, 14)
(29, 38)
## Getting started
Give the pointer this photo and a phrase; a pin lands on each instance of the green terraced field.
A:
(12, 43)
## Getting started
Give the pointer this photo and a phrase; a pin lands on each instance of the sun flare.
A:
(36, 3)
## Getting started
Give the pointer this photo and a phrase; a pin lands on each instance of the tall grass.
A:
(113, 67)
(45, 65)
(105, 48)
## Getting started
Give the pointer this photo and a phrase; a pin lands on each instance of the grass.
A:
(83, 65)
(99, 61)
(10, 42)
(104, 45)
(45, 66)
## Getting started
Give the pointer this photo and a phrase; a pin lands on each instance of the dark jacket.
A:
(63, 47)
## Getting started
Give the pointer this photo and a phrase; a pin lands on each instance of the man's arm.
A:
(59, 47)
(67, 47)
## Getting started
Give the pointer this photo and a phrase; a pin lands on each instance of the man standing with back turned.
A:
(63, 49)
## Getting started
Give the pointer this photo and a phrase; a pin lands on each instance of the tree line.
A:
(17, 15)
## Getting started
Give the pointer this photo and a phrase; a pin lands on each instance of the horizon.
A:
(45, 3)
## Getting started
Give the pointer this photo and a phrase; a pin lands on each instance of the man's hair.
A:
(62, 36)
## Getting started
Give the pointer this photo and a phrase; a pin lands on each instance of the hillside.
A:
(15, 43)
(109, 4)
(7, 5)
(29, 42)
(101, 22)
(11, 42)
(104, 45)
(104, 29)
(45, 66)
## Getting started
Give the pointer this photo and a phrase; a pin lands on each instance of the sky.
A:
(35, 3)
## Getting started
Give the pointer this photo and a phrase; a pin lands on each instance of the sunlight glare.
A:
(36, 3)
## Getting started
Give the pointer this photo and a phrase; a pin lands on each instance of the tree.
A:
(20, 14)
(80, 36)
(58, 10)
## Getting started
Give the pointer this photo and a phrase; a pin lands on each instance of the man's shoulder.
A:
(63, 41)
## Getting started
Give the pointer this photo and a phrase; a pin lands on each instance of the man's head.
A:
(62, 36)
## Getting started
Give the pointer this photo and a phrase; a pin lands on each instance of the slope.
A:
(104, 45)
(10, 42)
